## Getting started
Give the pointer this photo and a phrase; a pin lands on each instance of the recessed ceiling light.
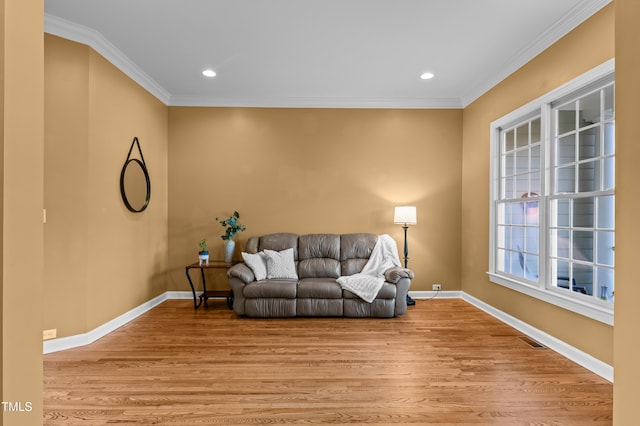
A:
(427, 76)
(209, 73)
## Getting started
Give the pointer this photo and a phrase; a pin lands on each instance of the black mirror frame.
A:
(143, 166)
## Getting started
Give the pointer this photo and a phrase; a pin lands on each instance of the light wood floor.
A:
(445, 362)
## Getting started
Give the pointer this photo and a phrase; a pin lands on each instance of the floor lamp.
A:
(406, 215)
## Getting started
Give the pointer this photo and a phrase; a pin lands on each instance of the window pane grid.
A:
(581, 230)
(520, 159)
(517, 240)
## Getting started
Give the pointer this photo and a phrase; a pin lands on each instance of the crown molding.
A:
(92, 38)
(318, 102)
(555, 32)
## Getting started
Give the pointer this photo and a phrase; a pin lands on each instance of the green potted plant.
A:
(232, 227)
(203, 254)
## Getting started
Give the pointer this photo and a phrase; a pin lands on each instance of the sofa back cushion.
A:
(355, 250)
(319, 256)
(276, 242)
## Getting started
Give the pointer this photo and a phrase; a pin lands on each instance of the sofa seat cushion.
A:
(283, 289)
(270, 307)
(319, 307)
(319, 288)
(388, 291)
(379, 308)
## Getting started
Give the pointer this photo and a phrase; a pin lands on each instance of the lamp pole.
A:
(406, 246)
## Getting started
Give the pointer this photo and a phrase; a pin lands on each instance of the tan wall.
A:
(66, 185)
(316, 171)
(100, 259)
(22, 152)
(627, 317)
(591, 44)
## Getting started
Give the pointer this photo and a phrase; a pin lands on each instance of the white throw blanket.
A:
(369, 281)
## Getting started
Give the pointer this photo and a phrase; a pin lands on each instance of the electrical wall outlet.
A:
(436, 287)
(49, 334)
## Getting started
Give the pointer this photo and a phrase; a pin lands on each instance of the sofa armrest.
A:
(394, 275)
(242, 272)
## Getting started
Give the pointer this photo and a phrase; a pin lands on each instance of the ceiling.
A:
(318, 53)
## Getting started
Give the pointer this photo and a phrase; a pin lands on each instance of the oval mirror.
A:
(135, 185)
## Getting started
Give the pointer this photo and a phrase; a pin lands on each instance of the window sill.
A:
(596, 312)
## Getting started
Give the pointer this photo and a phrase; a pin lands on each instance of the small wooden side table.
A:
(206, 294)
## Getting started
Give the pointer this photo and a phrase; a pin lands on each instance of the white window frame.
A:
(587, 306)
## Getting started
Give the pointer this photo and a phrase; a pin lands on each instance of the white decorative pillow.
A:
(280, 264)
(258, 264)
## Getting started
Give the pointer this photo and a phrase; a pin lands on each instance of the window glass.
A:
(509, 139)
(522, 136)
(535, 157)
(522, 161)
(536, 183)
(588, 176)
(608, 103)
(531, 240)
(509, 163)
(609, 139)
(564, 212)
(589, 107)
(589, 143)
(583, 214)
(566, 149)
(522, 184)
(582, 278)
(565, 179)
(566, 118)
(582, 248)
(561, 243)
(535, 130)
(609, 173)
(606, 212)
(605, 248)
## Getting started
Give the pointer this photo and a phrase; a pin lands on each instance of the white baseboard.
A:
(587, 361)
(179, 295)
(435, 294)
(55, 345)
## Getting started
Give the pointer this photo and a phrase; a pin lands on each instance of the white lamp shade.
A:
(406, 215)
